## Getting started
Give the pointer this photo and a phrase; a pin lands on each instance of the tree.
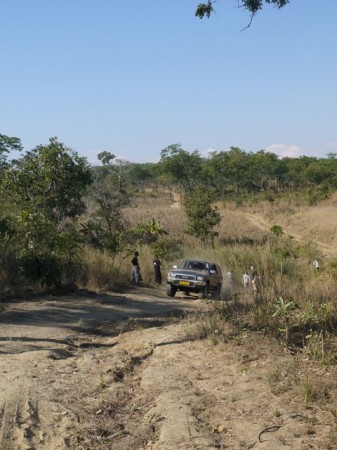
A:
(8, 144)
(106, 227)
(50, 179)
(45, 190)
(140, 175)
(263, 168)
(202, 218)
(114, 169)
(293, 170)
(215, 170)
(321, 172)
(253, 6)
(237, 164)
(149, 232)
(181, 166)
(106, 157)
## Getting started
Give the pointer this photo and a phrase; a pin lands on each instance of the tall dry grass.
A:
(311, 222)
(284, 262)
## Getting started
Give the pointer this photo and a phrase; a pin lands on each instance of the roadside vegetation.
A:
(67, 225)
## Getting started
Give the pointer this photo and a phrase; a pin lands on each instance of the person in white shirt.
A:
(230, 277)
(245, 280)
(316, 264)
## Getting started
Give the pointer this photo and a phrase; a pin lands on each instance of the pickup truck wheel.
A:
(170, 290)
(204, 293)
(217, 293)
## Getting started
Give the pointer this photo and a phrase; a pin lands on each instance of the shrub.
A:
(168, 249)
(276, 229)
(43, 269)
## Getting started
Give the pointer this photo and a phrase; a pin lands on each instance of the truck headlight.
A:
(201, 279)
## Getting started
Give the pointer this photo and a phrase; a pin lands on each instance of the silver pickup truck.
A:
(195, 276)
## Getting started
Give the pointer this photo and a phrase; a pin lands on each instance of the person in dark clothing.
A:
(157, 270)
(135, 274)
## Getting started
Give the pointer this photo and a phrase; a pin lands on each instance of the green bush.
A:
(43, 269)
(168, 249)
(276, 229)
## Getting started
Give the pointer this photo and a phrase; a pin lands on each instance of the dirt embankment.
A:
(117, 371)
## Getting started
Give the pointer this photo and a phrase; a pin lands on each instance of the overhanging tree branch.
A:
(253, 6)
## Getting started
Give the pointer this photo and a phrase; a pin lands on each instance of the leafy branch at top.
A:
(253, 6)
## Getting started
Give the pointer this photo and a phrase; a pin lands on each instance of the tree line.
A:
(235, 171)
(54, 202)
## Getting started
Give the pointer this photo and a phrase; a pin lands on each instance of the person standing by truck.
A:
(135, 273)
(157, 269)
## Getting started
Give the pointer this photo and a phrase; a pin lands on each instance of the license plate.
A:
(184, 283)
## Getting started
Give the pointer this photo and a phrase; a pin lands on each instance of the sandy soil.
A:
(51, 352)
(117, 371)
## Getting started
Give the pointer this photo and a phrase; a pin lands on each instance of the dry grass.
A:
(317, 222)
(162, 207)
(244, 239)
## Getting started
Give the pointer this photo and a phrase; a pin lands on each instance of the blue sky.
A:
(133, 77)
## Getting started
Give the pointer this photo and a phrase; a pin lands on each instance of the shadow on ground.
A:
(103, 314)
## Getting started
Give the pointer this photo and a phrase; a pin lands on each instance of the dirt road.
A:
(118, 371)
(52, 350)
(42, 342)
(327, 249)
